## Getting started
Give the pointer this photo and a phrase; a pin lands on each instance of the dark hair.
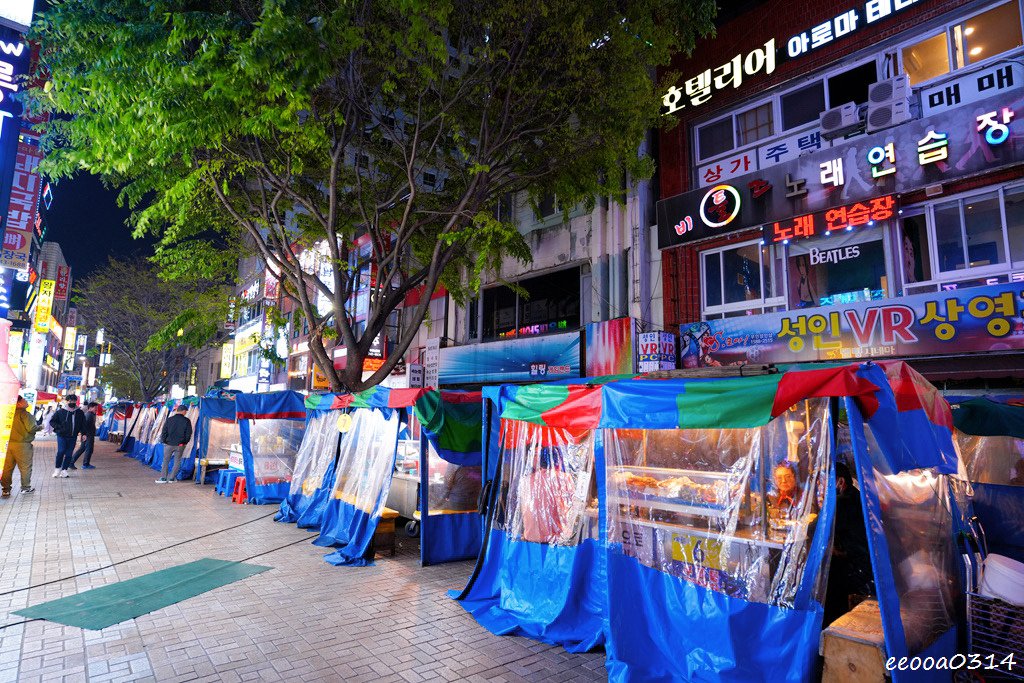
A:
(181, 408)
(843, 472)
(91, 404)
(71, 397)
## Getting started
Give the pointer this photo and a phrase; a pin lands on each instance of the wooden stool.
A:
(854, 647)
(384, 535)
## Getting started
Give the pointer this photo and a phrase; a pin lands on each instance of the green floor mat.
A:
(108, 605)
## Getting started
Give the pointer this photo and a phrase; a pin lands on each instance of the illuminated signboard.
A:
(846, 218)
(60, 292)
(69, 337)
(955, 144)
(531, 330)
(16, 13)
(763, 59)
(44, 305)
(14, 63)
(227, 352)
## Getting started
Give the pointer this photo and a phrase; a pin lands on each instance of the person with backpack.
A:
(176, 433)
(67, 423)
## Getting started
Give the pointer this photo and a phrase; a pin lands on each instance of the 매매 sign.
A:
(976, 319)
(44, 305)
(928, 151)
(972, 87)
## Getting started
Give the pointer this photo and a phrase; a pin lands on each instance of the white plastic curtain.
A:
(316, 453)
(366, 458)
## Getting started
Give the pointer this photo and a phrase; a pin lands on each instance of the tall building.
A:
(845, 180)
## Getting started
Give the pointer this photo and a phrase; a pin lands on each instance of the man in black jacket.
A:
(88, 438)
(67, 423)
(177, 432)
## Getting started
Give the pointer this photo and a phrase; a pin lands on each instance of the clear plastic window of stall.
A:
(274, 444)
(731, 510)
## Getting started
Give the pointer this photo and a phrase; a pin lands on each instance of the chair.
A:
(239, 495)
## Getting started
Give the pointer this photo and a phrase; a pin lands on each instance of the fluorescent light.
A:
(969, 30)
(975, 51)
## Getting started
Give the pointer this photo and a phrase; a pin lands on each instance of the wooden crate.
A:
(854, 647)
(384, 535)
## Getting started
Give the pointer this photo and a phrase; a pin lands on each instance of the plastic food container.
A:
(1003, 579)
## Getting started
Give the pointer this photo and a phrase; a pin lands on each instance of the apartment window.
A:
(740, 279)
(429, 179)
(715, 138)
(990, 33)
(754, 124)
(852, 84)
(803, 106)
(926, 59)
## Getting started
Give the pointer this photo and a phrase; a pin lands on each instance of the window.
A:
(715, 138)
(546, 207)
(969, 233)
(852, 85)
(1014, 209)
(551, 304)
(839, 269)
(988, 34)
(740, 280)
(754, 124)
(914, 249)
(926, 59)
(429, 179)
(803, 105)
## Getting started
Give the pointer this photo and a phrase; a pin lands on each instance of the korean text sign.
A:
(44, 305)
(970, 320)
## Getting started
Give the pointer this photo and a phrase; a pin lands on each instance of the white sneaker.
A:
(161, 481)
(64, 474)
(56, 473)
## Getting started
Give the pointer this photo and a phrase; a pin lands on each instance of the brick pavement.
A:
(302, 621)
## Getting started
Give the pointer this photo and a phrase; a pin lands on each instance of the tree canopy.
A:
(136, 308)
(294, 128)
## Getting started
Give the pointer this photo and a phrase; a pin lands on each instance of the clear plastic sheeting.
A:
(913, 517)
(992, 459)
(366, 458)
(146, 425)
(274, 444)
(158, 426)
(730, 510)
(223, 440)
(316, 453)
(451, 488)
(549, 493)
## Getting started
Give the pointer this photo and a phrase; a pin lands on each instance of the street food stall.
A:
(313, 476)
(270, 427)
(156, 455)
(217, 442)
(687, 524)
(144, 431)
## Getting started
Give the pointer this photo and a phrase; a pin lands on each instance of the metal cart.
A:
(995, 629)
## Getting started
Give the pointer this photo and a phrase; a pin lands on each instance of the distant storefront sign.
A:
(933, 150)
(44, 305)
(656, 351)
(60, 291)
(972, 320)
(555, 356)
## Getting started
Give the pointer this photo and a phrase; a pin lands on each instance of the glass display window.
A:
(838, 269)
(741, 279)
(540, 305)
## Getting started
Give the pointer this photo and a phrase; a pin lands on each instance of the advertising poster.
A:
(611, 347)
(973, 320)
(656, 351)
(60, 290)
(555, 356)
(44, 305)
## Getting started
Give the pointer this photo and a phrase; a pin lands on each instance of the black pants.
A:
(86, 449)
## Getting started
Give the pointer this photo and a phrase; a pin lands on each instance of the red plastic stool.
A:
(239, 495)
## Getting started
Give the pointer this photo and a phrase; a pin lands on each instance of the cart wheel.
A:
(412, 528)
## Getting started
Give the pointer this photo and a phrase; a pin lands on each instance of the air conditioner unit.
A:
(888, 114)
(839, 121)
(892, 89)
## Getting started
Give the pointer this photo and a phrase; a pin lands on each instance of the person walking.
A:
(19, 450)
(45, 420)
(67, 423)
(88, 438)
(177, 432)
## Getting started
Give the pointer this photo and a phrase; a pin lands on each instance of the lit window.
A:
(741, 280)
(840, 269)
(715, 138)
(803, 105)
(926, 59)
(989, 33)
(754, 124)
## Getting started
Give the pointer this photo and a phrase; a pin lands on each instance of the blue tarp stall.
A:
(685, 523)
(990, 434)
(156, 456)
(154, 450)
(217, 438)
(450, 473)
(131, 428)
(313, 477)
(270, 428)
(144, 433)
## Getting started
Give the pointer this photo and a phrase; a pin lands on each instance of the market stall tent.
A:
(216, 435)
(990, 435)
(684, 523)
(144, 432)
(156, 457)
(270, 427)
(315, 460)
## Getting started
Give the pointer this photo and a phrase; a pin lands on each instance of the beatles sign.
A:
(975, 319)
(928, 151)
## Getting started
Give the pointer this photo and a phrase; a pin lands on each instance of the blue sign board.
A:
(550, 357)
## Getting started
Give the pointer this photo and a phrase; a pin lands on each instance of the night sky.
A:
(89, 225)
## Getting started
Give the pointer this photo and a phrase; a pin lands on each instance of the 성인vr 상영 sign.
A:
(973, 320)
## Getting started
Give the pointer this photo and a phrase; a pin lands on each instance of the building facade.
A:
(845, 179)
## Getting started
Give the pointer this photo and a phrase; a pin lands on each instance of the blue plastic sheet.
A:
(313, 476)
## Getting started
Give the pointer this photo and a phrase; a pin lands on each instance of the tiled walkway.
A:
(302, 621)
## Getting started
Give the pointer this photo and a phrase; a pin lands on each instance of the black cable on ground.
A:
(137, 557)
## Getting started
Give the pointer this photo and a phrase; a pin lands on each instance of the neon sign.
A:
(531, 330)
(830, 220)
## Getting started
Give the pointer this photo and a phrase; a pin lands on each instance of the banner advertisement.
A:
(14, 64)
(44, 305)
(973, 320)
(227, 355)
(610, 347)
(320, 381)
(73, 320)
(657, 351)
(69, 337)
(555, 356)
(60, 291)
(21, 214)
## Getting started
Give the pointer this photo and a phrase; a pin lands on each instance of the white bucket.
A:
(1003, 579)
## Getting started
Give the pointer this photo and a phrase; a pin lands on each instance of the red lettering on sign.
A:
(863, 330)
(896, 321)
